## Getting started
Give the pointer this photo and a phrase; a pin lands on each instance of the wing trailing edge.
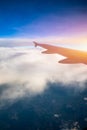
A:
(68, 61)
(47, 52)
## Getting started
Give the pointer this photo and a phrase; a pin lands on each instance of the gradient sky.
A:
(44, 19)
(26, 72)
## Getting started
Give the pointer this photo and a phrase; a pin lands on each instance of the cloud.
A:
(70, 126)
(15, 42)
(30, 72)
(85, 98)
(75, 42)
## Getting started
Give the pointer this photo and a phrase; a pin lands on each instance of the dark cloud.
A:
(33, 113)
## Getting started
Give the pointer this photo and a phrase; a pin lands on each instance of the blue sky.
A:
(17, 14)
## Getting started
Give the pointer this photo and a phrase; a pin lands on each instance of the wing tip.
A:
(35, 43)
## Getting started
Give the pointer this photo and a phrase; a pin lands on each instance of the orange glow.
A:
(72, 56)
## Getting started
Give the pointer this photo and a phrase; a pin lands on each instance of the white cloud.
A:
(67, 125)
(75, 42)
(30, 71)
(85, 98)
(85, 119)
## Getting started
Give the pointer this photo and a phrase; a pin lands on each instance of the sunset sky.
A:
(59, 21)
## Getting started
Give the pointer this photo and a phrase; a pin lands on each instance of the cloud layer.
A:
(25, 71)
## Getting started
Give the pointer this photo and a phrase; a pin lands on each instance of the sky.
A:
(52, 21)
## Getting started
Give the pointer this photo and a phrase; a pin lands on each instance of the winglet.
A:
(35, 43)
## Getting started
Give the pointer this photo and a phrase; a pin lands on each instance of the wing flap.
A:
(47, 52)
(68, 61)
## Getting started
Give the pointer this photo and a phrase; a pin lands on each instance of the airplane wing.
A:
(72, 56)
